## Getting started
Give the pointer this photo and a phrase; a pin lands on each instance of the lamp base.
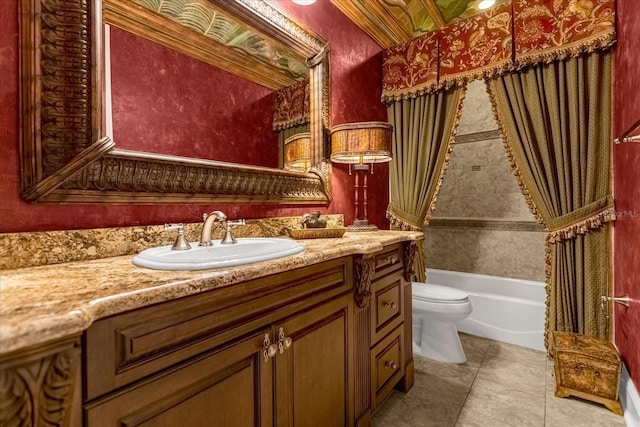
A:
(362, 225)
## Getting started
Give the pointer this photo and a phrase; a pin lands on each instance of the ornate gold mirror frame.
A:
(66, 156)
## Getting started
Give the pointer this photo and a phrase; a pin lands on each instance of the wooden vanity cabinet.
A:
(271, 351)
(383, 328)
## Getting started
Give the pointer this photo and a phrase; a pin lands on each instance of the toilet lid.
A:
(437, 293)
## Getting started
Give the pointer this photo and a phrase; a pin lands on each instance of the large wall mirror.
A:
(68, 155)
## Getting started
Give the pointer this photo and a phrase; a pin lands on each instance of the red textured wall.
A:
(626, 159)
(165, 102)
(355, 76)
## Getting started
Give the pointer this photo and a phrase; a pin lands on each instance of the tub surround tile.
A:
(477, 136)
(477, 115)
(30, 249)
(479, 185)
(49, 302)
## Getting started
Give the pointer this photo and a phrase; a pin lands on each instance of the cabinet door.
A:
(313, 387)
(230, 387)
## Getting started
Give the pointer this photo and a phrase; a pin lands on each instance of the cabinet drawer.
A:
(125, 348)
(387, 366)
(387, 305)
(388, 261)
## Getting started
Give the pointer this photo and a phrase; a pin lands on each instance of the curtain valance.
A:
(504, 38)
(291, 106)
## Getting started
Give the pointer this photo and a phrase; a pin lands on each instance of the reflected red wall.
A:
(165, 102)
(626, 159)
(356, 76)
(356, 87)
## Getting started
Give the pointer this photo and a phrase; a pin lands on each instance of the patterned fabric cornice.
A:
(291, 106)
(501, 39)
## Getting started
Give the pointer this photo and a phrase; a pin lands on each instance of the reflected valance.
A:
(504, 38)
(291, 106)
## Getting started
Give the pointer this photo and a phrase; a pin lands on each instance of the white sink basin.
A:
(246, 251)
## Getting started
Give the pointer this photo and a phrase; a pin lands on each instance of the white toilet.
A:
(436, 309)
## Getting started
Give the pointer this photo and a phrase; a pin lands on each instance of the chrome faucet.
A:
(209, 219)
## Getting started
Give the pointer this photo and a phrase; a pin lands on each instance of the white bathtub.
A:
(504, 309)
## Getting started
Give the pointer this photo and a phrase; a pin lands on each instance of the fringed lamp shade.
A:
(359, 144)
(366, 142)
(297, 152)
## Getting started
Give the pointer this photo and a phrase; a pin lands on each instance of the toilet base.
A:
(439, 341)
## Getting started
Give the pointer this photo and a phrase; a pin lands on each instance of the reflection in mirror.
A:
(67, 155)
(165, 102)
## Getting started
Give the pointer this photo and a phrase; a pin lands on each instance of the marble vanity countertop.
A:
(44, 303)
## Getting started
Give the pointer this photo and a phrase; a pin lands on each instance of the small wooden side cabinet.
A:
(588, 368)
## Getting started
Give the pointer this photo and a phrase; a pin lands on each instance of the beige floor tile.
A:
(469, 418)
(550, 379)
(450, 382)
(474, 347)
(574, 412)
(505, 403)
(504, 385)
(417, 408)
(527, 377)
(514, 352)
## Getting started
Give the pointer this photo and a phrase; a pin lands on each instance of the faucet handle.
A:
(229, 238)
(181, 243)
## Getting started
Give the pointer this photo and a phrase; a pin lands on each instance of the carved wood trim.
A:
(66, 156)
(144, 177)
(364, 267)
(409, 255)
(40, 386)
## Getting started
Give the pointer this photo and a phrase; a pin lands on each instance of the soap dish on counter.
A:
(316, 233)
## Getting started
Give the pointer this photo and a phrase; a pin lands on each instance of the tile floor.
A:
(499, 385)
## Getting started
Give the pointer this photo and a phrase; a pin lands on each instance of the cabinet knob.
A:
(390, 304)
(391, 259)
(391, 365)
(284, 342)
(268, 350)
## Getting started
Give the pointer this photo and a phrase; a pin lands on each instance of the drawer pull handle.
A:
(268, 350)
(391, 259)
(391, 365)
(284, 342)
(390, 304)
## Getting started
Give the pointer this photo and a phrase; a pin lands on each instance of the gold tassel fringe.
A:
(510, 157)
(447, 156)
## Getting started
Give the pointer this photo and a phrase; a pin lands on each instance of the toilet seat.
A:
(438, 294)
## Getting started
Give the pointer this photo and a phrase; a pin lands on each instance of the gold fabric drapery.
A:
(556, 124)
(423, 133)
